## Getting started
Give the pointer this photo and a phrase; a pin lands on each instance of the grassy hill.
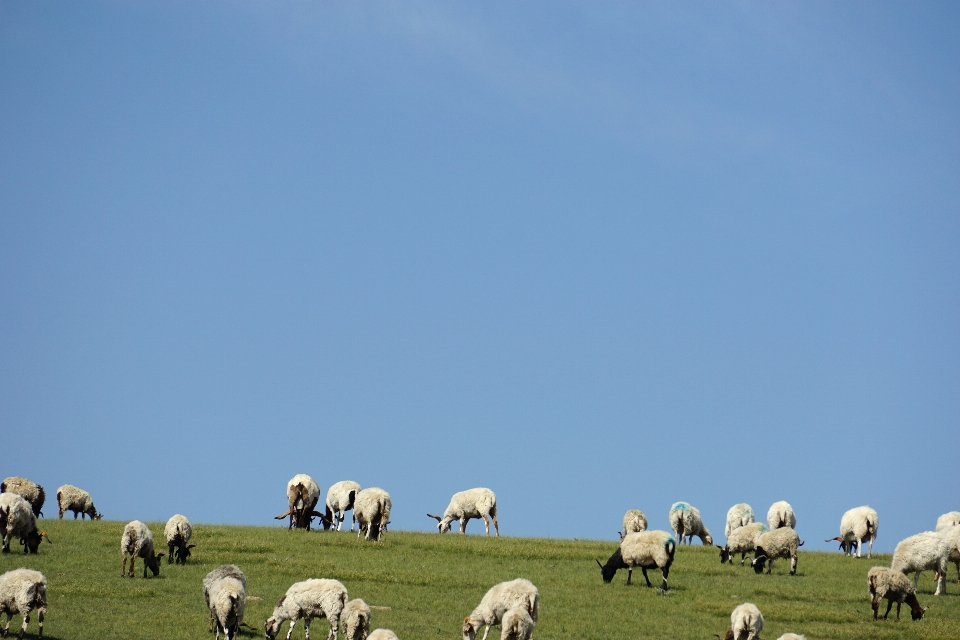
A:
(427, 583)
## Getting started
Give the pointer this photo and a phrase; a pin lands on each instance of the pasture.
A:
(424, 584)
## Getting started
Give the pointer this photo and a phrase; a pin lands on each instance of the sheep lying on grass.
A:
(746, 622)
(22, 591)
(71, 498)
(645, 549)
(686, 522)
(739, 515)
(383, 634)
(634, 521)
(884, 582)
(314, 598)
(779, 543)
(17, 519)
(466, 505)
(178, 532)
(496, 602)
(137, 542)
(355, 619)
(28, 490)
(924, 551)
(856, 526)
(340, 499)
(742, 540)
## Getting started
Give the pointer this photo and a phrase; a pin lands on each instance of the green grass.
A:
(430, 582)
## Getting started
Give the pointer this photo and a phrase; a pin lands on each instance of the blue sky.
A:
(595, 258)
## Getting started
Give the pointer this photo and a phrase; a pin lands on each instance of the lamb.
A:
(314, 598)
(857, 525)
(383, 634)
(517, 624)
(30, 491)
(948, 520)
(302, 497)
(71, 498)
(223, 571)
(781, 515)
(464, 505)
(927, 550)
(746, 622)
(355, 619)
(17, 519)
(884, 582)
(371, 510)
(22, 591)
(178, 532)
(685, 521)
(340, 499)
(743, 541)
(496, 602)
(644, 549)
(137, 542)
(792, 636)
(779, 543)
(227, 601)
(634, 520)
(739, 515)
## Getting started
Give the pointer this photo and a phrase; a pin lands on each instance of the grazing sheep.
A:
(383, 634)
(302, 497)
(464, 505)
(685, 520)
(781, 515)
(17, 519)
(496, 602)
(228, 599)
(314, 598)
(739, 515)
(223, 571)
(948, 520)
(340, 499)
(71, 498)
(29, 491)
(927, 550)
(517, 624)
(371, 510)
(355, 619)
(884, 582)
(856, 525)
(644, 549)
(22, 591)
(137, 542)
(779, 543)
(178, 532)
(634, 520)
(746, 622)
(742, 540)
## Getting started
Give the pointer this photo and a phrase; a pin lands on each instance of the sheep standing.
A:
(314, 598)
(340, 499)
(884, 582)
(685, 520)
(948, 520)
(223, 571)
(952, 534)
(746, 622)
(497, 601)
(178, 532)
(634, 520)
(302, 497)
(17, 519)
(644, 549)
(517, 624)
(22, 591)
(371, 510)
(739, 515)
(923, 551)
(742, 540)
(228, 600)
(464, 505)
(355, 619)
(779, 543)
(29, 491)
(781, 515)
(856, 526)
(71, 498)
(137, 542)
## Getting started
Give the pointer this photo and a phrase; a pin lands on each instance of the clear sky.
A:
(593, 256)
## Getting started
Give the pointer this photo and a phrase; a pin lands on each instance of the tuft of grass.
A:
(422, 585)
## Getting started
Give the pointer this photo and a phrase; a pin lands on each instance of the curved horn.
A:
(43, 534)
(437, 518)
(283, 515)
(837, 539)
(598, 564)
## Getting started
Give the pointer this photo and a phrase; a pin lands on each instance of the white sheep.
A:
(17, 519)
(137, 542)
(28, 490)
(227, 602)
(371, 510)
(71, 498)
(742, 540)
(952, 534)
(779, 543)
(644, 549)
(383, 634)
(178, 532)
(22, 591)
(920, 552)
(517, 624)
(686, 522)
(746, 622)
(781, 515)
(634, 520)
(314, 598)
(856, 526)
(948, 520)
(884, 582)
(792, 636)
(739, 515)
(340, 499)
(497, 601)
(223, 571)
(303, 494)
(355, 620)
(465, 505)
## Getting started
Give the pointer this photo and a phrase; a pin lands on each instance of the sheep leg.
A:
(770, 566)
(169, 552)
(23, 629)
(486, 630)
(793, 565)
(629, 575)
(486, 523)
(496, 528)
(40, 613)
(6, 629)
(870, 551)
(645, 577)
(334, 627)
(859, 545)
(293, 622)
(889, 604)
(898, 611)
(123, 567)
(463, 526)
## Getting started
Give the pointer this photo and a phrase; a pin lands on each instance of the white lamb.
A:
(497, 601)
(634, 520)
(17, 519)
(178, 532)
(856, 526)
(371, 510)
(781, 515)
(71, 498)
(28, 490)
(340, 499)
(739, 515)
(465, 505)
(137, 542)
(227, 602)
(223, 571)
(948, 520)
(314, 598)
(779, 543)
(686, 522)
(22, 591)
(884, 582)
(746, 622)
(923, 551)
(302, 497)
(355, 619)
(517, 624)
(644, 549)
(383, 634)
(742, 540)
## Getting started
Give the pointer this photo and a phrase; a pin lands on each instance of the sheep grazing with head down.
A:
(178, 532)
(355, 619)
(742, 540)
(517, 624)
(223, 571)
(781, 515)
(634, 521)
(921, 552)
(779, 543)
(71, 498)
(739, 515)
(856, 526)
(685, 520)
(948, 520)
(303, 494)
(227, 602)
(372, 512)
(17, 519)
(314, 598)
(746, 622)
(22, 591)
(884, 582)
(465, 505)
(340, 499)
(28, 490)
(644, 549)
(497, 601)
(137, 542)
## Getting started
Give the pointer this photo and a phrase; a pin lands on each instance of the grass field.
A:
(430, 582)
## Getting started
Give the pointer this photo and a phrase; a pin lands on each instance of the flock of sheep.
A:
(514, 605)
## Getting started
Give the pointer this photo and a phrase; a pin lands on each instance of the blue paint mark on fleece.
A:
(681, 506)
